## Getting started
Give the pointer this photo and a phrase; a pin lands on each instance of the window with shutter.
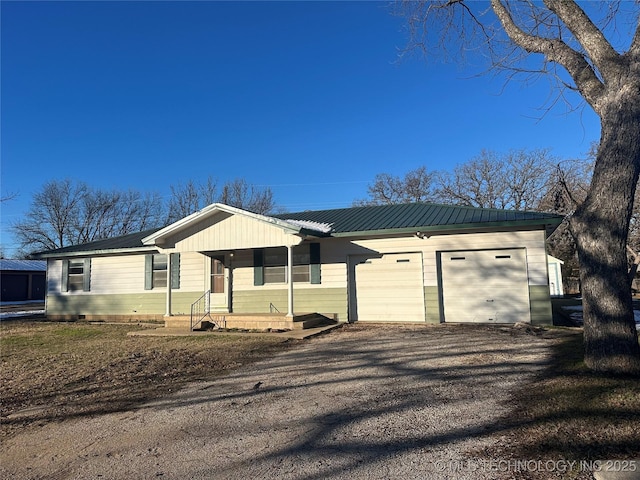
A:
(76, 275)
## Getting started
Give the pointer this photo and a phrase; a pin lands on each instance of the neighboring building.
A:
(22, 280)
(395, 263)
(555, 276)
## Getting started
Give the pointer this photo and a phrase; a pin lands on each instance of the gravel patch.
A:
(377, 401)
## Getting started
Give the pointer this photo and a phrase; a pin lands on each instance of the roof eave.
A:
(86, 253)
(454, 228)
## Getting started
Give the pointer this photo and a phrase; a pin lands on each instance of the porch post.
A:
(290, 280)
(168, 306)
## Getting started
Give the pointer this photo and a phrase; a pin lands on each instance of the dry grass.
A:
(571, 413)
(53, 371)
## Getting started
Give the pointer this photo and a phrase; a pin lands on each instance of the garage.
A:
(387, 288)
(485, 286)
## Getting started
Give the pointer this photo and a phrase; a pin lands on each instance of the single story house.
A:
(415, 262)
(22, 280)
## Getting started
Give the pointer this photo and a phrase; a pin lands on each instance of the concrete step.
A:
(312, 320)
(178, 321)
(256, 321)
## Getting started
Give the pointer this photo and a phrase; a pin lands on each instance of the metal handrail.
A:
(272, 307)
(200, 309)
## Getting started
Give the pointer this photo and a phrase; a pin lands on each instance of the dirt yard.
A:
(376, 401)
(54, 371)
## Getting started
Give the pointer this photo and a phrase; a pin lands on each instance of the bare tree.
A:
(238, 193)
(5, 197)
(568, 187)
(67, 213)
(50, 221)
(416, 186)
(578, 55)
(516, 180)
(106, 214)
(190, 197)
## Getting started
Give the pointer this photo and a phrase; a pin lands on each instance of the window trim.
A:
(313, 264)
(66, 285)
(173, 276)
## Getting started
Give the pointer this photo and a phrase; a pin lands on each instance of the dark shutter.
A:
(314, 262)
(175, 271)
(148, 272)
(86, 272)
(258, 267)
(65, 276)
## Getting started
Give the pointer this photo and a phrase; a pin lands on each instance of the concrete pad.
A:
(181, 332)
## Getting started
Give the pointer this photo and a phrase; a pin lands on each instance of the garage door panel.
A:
(485, 286)
(389, 288)
(476, 267)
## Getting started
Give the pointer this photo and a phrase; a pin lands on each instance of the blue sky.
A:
(307, 98)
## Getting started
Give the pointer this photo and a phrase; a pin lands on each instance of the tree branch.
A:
(599, 50)
(556, 51)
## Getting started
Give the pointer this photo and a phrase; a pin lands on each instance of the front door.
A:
(219, 285)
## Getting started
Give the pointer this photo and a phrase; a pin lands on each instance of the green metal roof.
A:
(418, 216)
(372, 220)
(131, 241)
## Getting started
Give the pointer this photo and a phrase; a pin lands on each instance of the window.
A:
(270, 265)
(275, 270)
(301, 260)
(217, 276)
(76, 275)
(275, 265)
(159, 271)
(156, 274)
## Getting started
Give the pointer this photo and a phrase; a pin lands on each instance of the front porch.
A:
(252, 321)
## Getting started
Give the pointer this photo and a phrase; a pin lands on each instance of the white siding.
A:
(533, 241)
(224, 232)
(334, 253)
(194, 269)
(117, 274)
(120, 274)
(54, 276)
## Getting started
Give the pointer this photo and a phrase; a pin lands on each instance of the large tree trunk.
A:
(600, 227)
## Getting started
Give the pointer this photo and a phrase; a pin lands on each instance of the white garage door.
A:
(388, 288)
(485, 286)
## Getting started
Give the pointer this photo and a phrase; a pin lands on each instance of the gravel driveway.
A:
(379, 401)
